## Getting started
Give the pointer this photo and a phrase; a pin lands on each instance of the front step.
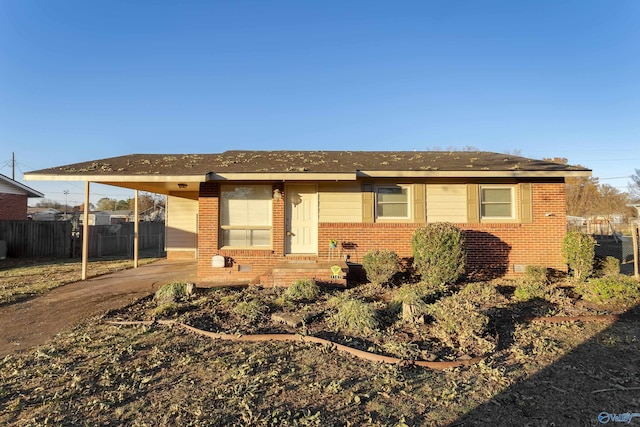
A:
(286, 273)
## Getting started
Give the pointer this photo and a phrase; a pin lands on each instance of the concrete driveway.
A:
(31, 323)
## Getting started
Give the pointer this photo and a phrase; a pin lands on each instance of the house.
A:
(14, 198)
(269, 216)
(45, 214)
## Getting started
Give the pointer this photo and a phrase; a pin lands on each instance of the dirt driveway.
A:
(31, 323)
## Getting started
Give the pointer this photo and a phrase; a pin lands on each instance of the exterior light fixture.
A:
(277, 194)
(182, 185)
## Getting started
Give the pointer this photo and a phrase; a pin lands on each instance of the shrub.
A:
(480, 293)
(459, 324)
(174, 291)
(610, 289)
(535, 274)
(578, 250)
(252, 310)
(610, 267)
(529, 291)
(380, 265)
(414, 295)
(439, 252)
(355, 316)
(302, 290)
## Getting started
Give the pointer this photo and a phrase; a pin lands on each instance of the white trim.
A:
(409, 204)
(472, 174)
(512, 189)
(245, 227)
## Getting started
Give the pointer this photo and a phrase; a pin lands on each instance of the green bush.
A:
(578, 250)
(535, 274)
(610, 267)
(414, 295)
(439, 252)
(380, 265)
(529, 291)
(302, 290)
(459, 324)
(620, 289)
(355, 316)
(480, 293)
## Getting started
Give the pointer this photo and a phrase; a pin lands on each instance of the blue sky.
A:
(85, 80)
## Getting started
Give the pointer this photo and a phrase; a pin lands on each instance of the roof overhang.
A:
(473, 174)
(30, 191)
(160, 184)
(288, 176)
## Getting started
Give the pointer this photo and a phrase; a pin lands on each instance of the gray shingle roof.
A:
(305, 161)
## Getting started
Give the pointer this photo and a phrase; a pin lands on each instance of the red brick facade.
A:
(501, 248)
(13, 207)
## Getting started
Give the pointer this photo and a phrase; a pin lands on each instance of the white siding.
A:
(447, 203)
(6, 188)
(340, 202)
(181, 224)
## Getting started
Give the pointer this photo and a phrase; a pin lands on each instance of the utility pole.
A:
(13, 165)
(66, 193)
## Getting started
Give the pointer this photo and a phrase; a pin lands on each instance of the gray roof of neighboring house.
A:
(23, 189)
(247, 162)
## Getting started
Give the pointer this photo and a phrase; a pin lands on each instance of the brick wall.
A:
(258, 260)
(497, 247)
(13, 207)
(494, 247)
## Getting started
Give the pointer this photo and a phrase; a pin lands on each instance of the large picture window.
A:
(496, 202)
(392, 202)
(245, 216)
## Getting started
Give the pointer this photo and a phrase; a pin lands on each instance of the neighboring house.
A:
(269, 215)
(45, 214)
(14, 198)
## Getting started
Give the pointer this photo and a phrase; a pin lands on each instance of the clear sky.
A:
(84, 80)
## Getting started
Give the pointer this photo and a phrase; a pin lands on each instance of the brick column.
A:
(278, 219)
(208, 225)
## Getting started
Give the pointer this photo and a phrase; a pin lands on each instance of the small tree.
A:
(578, 250)
(439, 252)
(380, 265)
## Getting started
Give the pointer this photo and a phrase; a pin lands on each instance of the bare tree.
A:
(634, 187)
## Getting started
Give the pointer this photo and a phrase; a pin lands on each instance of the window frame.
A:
(481, 203)
(222, 228)
(409, 215)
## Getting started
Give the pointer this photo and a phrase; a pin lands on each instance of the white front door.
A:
(302, 219)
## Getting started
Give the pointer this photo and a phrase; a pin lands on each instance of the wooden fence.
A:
(57, 239)
(118, 239)
(36, 239)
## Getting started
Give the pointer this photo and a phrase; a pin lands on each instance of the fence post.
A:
(634, 234)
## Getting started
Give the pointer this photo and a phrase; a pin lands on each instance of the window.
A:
(245, 216)
(496, 202)
(392, 202)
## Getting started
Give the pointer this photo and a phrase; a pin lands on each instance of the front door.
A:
(302, 219)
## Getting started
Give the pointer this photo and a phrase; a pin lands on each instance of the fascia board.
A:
(473, 174)
(116, 178)
(293, 176)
